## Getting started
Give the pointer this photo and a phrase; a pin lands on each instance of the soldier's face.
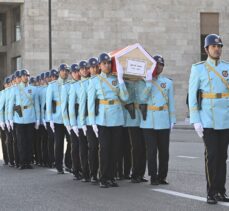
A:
(76, 76)
(64, 74)
(18, 80)
(84, 72)
(214, 51)
(25, 79)
(105, 66)
(94, 70)
(159, 68)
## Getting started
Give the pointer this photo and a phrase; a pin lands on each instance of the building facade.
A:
(81, 29)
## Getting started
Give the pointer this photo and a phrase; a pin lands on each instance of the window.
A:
(2, 29)
(16, 24)
(16, 63)
(209, 24)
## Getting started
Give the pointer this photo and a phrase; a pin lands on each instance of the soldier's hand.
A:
(11, 124)
(149, 75)
(8, 125)
(37, 124)
(2, 125)
(76, 130)
(96, 131)
(44, 123)
(68, 129)
(52, 126)
(171, 127)
(119, 72)
(84, 128)
(199, 129)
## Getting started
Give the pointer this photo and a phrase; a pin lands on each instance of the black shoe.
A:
(142, 179)
(77, 176)
(68, 169)
(60, 171)
(11, 165)
(94, 180)
(127, 177)
(211, 200)
(163, 182)
(135, 180)
(222, 197)
(154, 182)
(29, 166)
(22, 167)
(103, 185)
(113, 183)
(85, 180)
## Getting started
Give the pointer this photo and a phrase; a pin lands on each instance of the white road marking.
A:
(188, 157)
(188, 196)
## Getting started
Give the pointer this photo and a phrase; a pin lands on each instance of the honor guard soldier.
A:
(54, 115)
(157, 120)
(73, 107)
(132, 116)
(24, 102)
(107, 120)
(83, 143)
(3, 128)
(91, 137)
(53, 76)
(208, 105)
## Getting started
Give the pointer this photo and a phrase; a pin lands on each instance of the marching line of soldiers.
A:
(110, 125)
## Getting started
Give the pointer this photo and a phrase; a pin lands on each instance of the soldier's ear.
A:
(206, 50)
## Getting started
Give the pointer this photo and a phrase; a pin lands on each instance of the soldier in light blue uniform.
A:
(2, 121)
(157, 119)
(132, 122)
(107, 122)
(91, 137)
(208, 105)
(25, 101)
(73, 107)
(54, 114)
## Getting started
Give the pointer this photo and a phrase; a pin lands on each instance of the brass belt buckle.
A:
(25, 107)
(160, 108)
(218, 95)
(111, 102)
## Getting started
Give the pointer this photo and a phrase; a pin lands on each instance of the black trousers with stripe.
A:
(216, 144)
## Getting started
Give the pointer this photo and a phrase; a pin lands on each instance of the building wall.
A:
(82, 29)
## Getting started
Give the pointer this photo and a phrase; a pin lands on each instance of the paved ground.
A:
(43, 189)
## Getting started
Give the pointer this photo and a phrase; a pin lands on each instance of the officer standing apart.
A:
(208, 105)
(158, 118)
(26, 117)
(108, 121)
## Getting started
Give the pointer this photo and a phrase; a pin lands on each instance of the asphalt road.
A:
(43, 189)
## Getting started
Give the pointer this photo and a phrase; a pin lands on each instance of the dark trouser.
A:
(37, 146)
(216, 144)
(10, 146)
(51, 157)
(109, 150)
(157, 140)
(4, 146)
(25, 134)
(138, 152)
(59, 145)
(83, 146)
(67, 156)
(16, 154)
(93, 146)
(124, 163)
(44, 144)
(76, 168)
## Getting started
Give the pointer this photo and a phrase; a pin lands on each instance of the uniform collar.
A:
(83, 78)
(213, 62)
(23, 85)
(61, 81)
(105, 75)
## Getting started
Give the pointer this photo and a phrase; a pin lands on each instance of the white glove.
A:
(76, 130)
(37, 124)
(44, 123)
(119, 72)
(52, 126)
(199, 129)
(171, 126)
(68, 129)
(95, 129)
(149, 75)
(8, 125)
(11, 124)
(84, 128)
(2, 125)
